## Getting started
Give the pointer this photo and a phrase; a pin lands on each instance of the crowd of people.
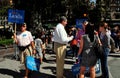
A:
(81, 40)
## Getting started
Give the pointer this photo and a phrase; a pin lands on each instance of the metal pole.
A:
(16, 48)
(15, 27)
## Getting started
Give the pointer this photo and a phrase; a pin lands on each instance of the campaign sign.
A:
(16, 16)
(76, 69)
(79, 23)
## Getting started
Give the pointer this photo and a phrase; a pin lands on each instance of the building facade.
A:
(115, 9)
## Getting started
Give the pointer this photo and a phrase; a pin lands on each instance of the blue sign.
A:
(79, 23)
(76, 69)
(16, 16)
(98, 71)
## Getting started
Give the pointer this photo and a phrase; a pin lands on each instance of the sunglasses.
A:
(23, 26)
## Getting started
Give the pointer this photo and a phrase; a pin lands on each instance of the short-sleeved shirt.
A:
(24, 38)
(38, 43)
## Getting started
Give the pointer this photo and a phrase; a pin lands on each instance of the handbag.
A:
(32, 63)
(76, 69)
(98, 50)
(73, 42)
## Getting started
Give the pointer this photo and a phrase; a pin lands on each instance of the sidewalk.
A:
(10, 68)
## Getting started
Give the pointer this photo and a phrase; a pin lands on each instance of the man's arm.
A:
(63, 36)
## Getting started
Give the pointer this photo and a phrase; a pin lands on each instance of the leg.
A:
(41, 57)
(74, 50)
(107, 50)
(44, 59)
(60, 56)
(82, 71)
(60, 61)
(104, 63)
(72, 47)
(26, 72)
(92, 72)
(41, 61)
(27, 52)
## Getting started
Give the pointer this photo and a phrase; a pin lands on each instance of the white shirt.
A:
(38, 43)
(108, 32)
(24, 38)
(60, 35)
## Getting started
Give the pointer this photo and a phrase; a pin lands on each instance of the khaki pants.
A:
(60, 50)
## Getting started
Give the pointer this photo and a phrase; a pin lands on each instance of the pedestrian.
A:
(73, 43)
(25, 43)
(44, 45)
(60, 40)
(105, 40)
(87, 52)
(115, 36)
(118, 39)
(38, 46)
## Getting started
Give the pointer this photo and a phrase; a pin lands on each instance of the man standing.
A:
(25, 43)
(60, 40)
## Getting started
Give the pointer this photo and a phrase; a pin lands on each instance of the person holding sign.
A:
(25, 43)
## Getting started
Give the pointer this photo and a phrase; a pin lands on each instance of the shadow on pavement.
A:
(12, 73)
(69, 62)
(53, 69)
(20, 74)
(114, 54)
(10, 56)
(40, 75)
(67, 72)
(51, 61)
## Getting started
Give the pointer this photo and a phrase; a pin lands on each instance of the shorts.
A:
(26, 52)
(39, 53)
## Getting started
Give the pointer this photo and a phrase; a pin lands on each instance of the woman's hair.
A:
(102, 25)
(90, 31)
(38, 35)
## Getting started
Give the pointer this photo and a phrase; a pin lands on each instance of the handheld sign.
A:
(16, 16)
(79, 23)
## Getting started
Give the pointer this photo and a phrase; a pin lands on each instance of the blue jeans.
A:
(104, 63)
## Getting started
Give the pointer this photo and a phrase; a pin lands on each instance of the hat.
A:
(24, 24)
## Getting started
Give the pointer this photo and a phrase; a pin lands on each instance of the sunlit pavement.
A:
(11, 68)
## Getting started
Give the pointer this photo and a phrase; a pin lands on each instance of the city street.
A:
(90, 25)
(10, 68)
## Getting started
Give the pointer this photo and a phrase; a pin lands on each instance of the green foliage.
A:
(6, 41)
(50, 25)
(4, 10)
